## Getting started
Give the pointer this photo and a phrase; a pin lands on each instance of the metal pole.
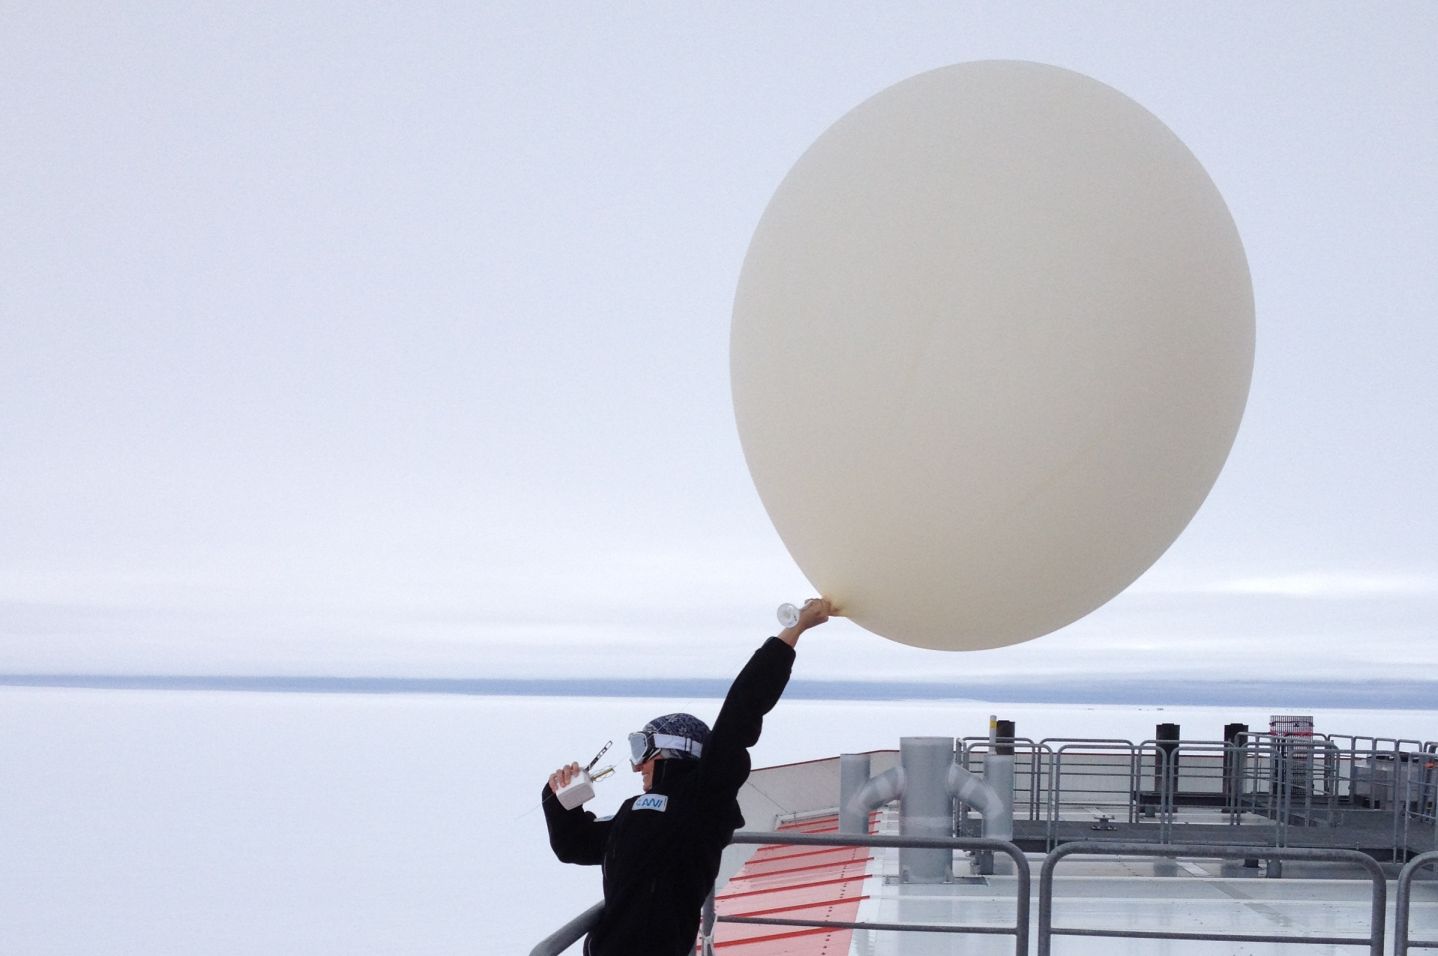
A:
(1403, 901)
(1233, 737)
(570, 933)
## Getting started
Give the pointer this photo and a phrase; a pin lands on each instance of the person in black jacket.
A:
(660, 851)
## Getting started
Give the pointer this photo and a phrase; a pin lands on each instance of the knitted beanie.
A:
(680, 725)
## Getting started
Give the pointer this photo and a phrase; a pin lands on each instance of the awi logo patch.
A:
(652, 801)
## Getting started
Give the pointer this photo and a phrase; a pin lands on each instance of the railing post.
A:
(706, 925)
(1233, 737)
(1403, 902)
(1165, 770)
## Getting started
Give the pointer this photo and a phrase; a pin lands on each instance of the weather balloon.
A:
(991, 345)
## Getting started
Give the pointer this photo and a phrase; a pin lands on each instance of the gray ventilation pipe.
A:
(984, 796)
(865, 794)
(925, 807)
(853, 774)
(999, 779)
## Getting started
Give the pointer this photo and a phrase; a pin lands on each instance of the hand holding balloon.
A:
(788, 614)
(798, 620)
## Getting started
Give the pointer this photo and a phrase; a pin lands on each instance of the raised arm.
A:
(753, 694)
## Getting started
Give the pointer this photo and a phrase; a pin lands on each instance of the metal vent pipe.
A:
(853, 774)
(987, 794)
(999, 774)
(925, 807)
(871, 795)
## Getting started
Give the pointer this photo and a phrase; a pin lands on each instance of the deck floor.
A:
(1136, 894)
(1126, 894)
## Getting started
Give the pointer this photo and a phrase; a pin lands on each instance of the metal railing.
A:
(1282, 782)
(557, 942)
(1363, 755)
(1420, 802)
(1020, 929)
(1030, 765)
(570, 933)
(1099, 773)
(1263, 781)
(1186, 771)
(1403, 902)
(560, 940)
(1047, 931)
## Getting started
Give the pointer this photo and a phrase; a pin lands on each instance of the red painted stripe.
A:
(811, 869)
(837, 881)
(834, 854)
(818, 942)
(777, 854)
(804, 904)
(813, 827)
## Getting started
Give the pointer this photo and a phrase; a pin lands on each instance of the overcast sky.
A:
(376, 339)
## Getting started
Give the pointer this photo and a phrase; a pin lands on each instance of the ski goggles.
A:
(644, 744)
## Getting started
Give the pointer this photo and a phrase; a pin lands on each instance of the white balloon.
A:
(991, 345)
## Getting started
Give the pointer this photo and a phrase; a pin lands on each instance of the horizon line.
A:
(1374, 694)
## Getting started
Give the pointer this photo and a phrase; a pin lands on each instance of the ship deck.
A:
(1259, 897)
(1261, 847)
(1137, 896)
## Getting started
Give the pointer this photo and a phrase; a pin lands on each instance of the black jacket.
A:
(661, 850)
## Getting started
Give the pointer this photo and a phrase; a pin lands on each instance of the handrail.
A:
(1028, 761)
(1020, 929)
(1047, 930)
(1402, 903)
(570, 933)
(1085, 747)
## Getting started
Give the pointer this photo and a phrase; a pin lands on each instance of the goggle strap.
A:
(653, 743)
(681, 744)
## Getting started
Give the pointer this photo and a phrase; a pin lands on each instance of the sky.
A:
(362, 339)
